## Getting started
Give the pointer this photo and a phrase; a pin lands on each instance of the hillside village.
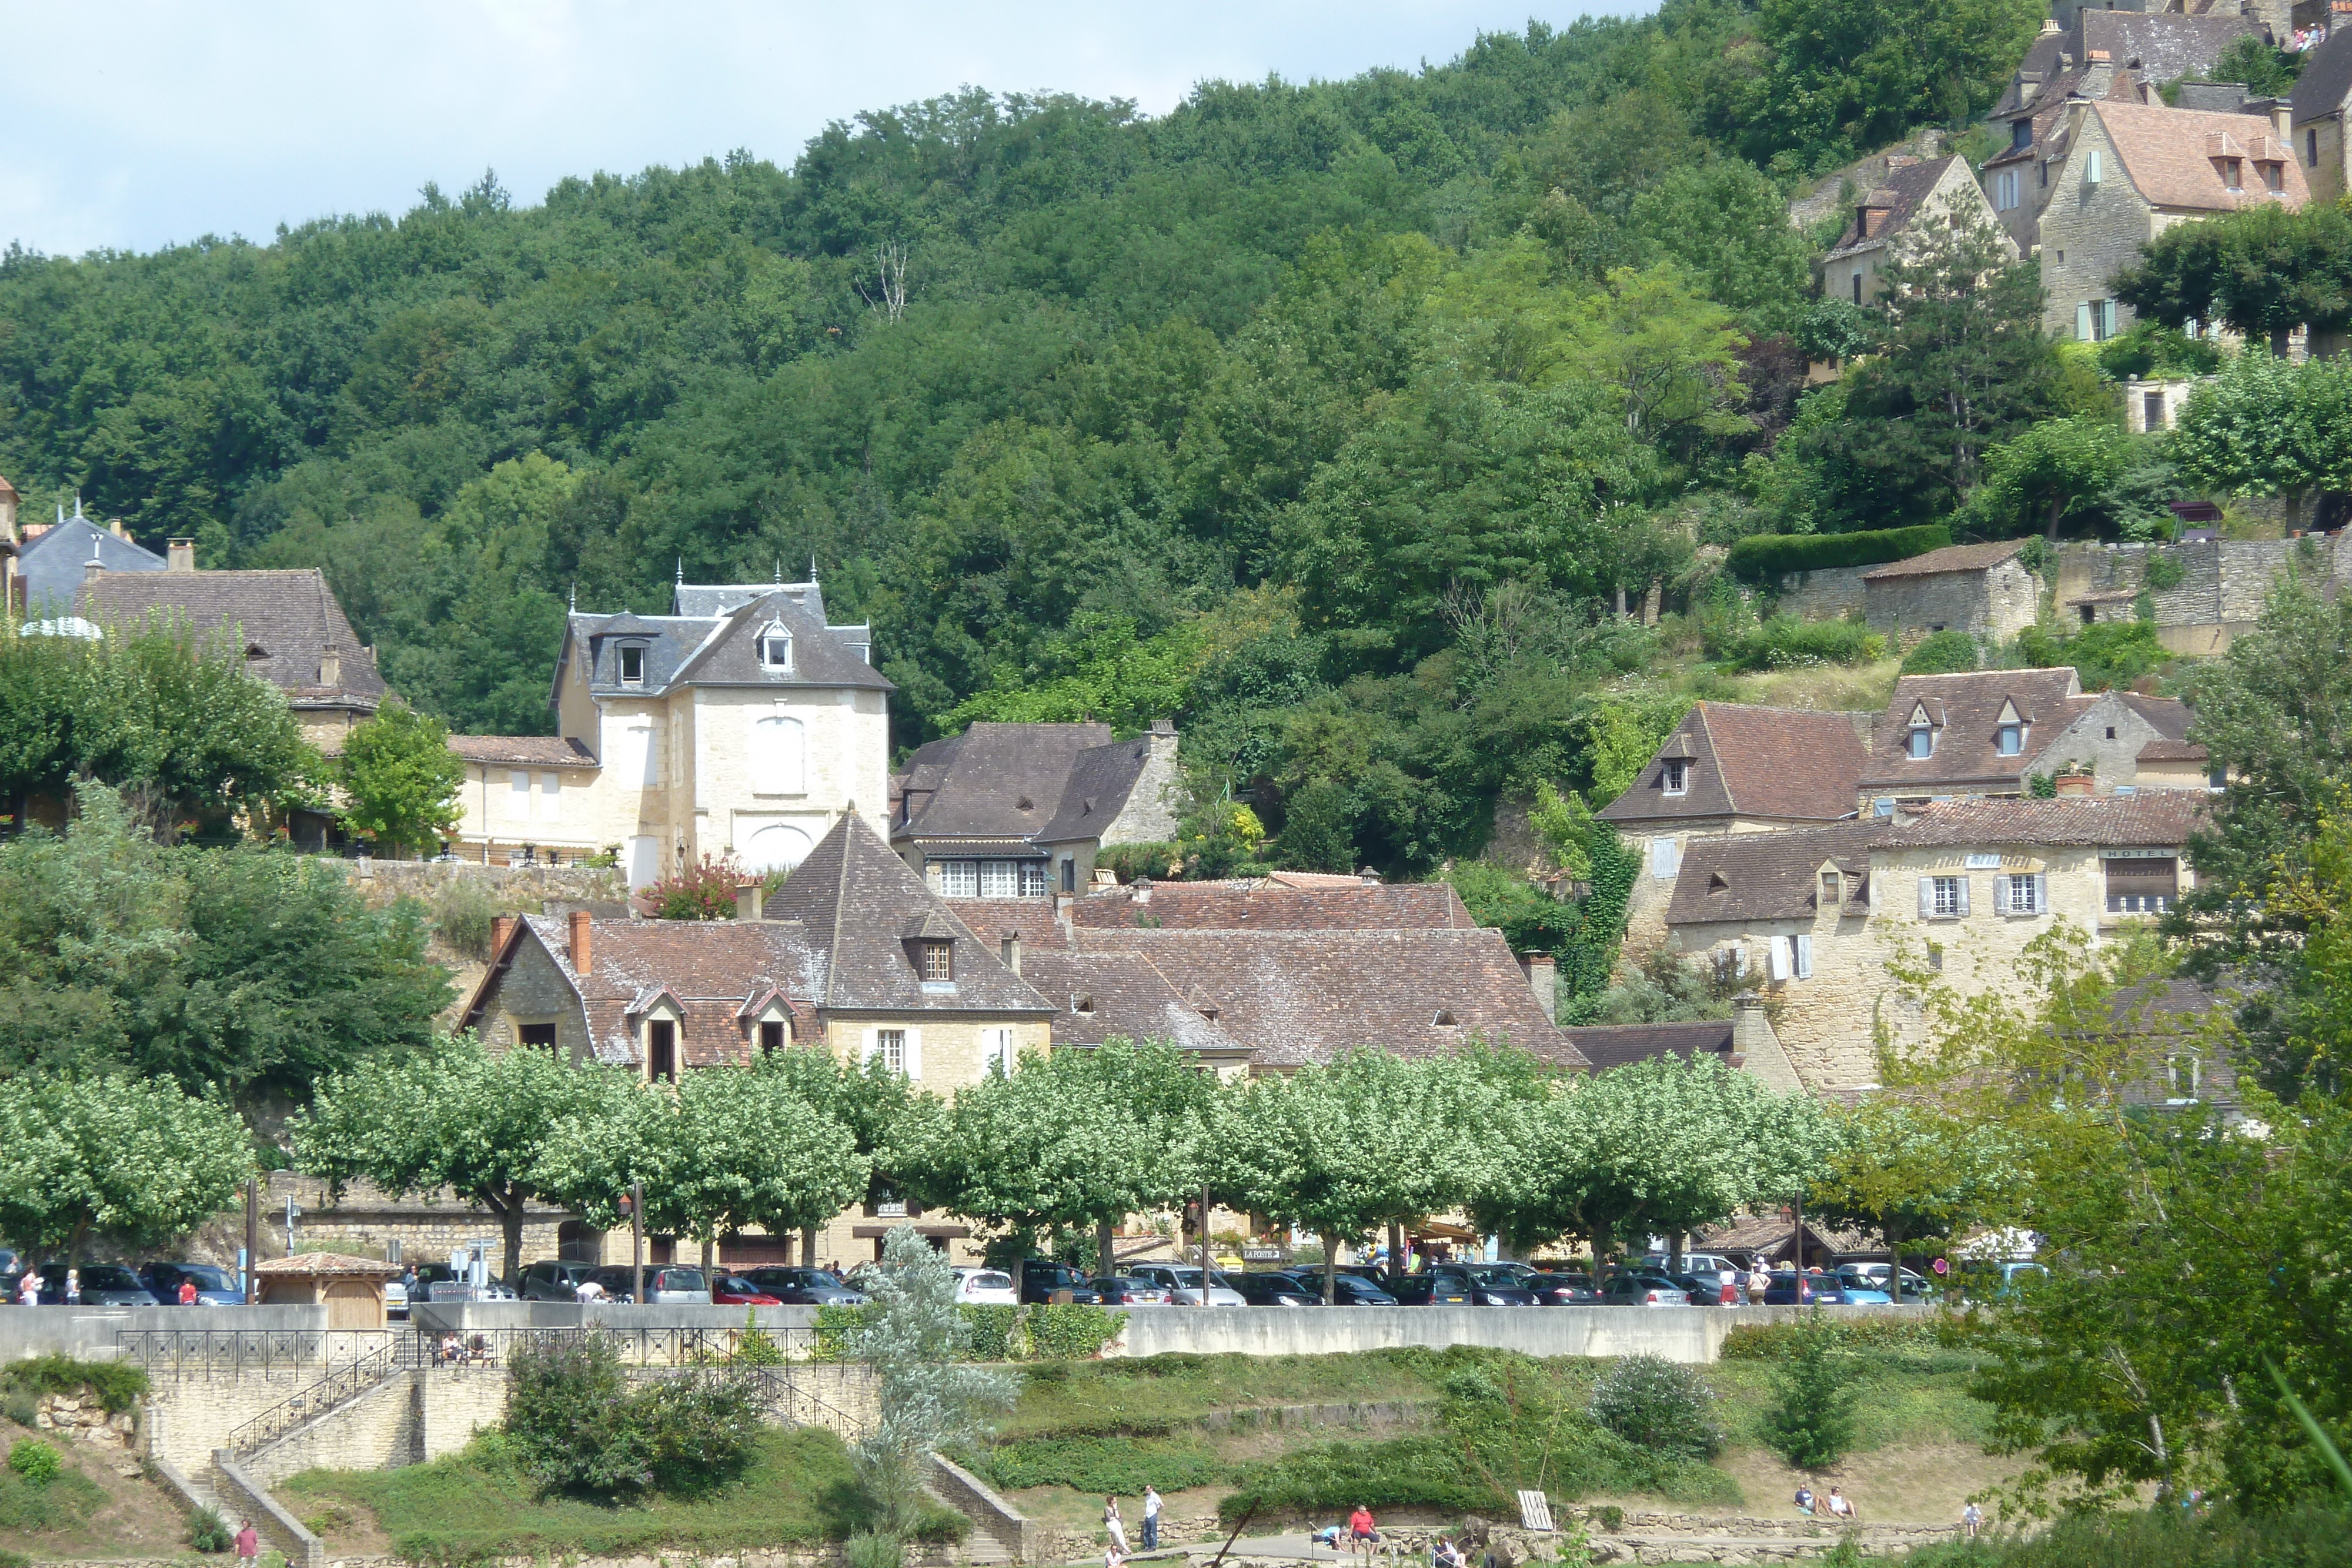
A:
(1566, 685)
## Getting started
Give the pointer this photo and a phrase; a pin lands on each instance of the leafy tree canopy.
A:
(133, 1161)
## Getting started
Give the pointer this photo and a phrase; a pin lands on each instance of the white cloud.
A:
(135, 125)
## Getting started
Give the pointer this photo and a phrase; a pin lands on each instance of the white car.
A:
(985, 1287)
(1184, 1284)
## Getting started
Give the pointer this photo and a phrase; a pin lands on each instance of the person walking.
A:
(1971, 1520)
(1759, 1280)
(248, 1542)
(1152, 1506)
(1112, 1524)
(28, 1293)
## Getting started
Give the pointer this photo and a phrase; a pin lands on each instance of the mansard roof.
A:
(713, 642)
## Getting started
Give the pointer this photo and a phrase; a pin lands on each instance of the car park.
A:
(1559, 1288)
(666, 1284)
(1814, 1288)
(215, 1286)
(985, 1287)
(734, 1290)
(1466, 1285)
(1128, 1290)
(1628, 1288)
(112, 1285)
(1873, 1276)
(1042, 1280)
(550, 1279)
(1183, 1284)
(805, 1287)
(1708, 1290)
(1269, 1290)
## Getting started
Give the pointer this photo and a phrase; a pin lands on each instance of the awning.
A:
(1438, 1230)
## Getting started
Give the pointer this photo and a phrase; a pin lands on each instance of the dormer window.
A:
(937, 962)
(1677, 777)
(2274, 177)
(1831, 890)
(1923, 740)
(2009, 739)
(1444, 1020)
(2233, 174)
(633, 665)
(776, 647)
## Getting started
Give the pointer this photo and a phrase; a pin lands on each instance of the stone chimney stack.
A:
(581, 954)
(1542, 971)
(180, 555)
(501, 927)
(1751, 1027)
(747, 898)
(93, 569)
(1009, 950)
(2283, 119)
(2074, 784)
(1369, 877)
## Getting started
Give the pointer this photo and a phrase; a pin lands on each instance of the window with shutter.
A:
(1779, 958)
(1664, 859)
(1804, 958)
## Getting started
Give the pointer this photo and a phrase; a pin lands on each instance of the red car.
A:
(734, 1290)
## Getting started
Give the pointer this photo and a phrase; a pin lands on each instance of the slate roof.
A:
(1900, 193)
(1351, 904)
(1785, 763)
(712, 641)
(2156, 46)
(2169, 155)
(859, 902)
(290, 616)
(1771, 876)
(537, 750)
(1099, 997)
(1951, 557)
(2153, 819)
(2326, 78)
(1964, 709)
(54, 562)
(2170, 715)
(1619, 1045)
(1040, 783)
(2178, 1018)
(1297, 996)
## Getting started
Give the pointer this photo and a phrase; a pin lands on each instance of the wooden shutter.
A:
(1804, 946)
(1964, 893)
(1927, 898)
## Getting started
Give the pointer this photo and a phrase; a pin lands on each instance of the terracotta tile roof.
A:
(1771, 876)
(290, 617)
(1951, 557)
(708, 969)
(1964, 710)
(1782, 763)
(1900, 194)
(1342, 904)
(2170, 156)
(1619, 1045)
(2153, 819)
(538, 750)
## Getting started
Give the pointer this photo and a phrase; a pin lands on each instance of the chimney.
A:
(117, 530)
(93, 569)
(1751, 1027)
(1163, 737)
(1142, 889)
(180, 555)
(2074, 784)
(1009, 950)
(580, 950)
(2283, 119)
(1542, 971)
(331, 662)
(2050, 25)
(501, 927)
(1369, 877)
(748, 896)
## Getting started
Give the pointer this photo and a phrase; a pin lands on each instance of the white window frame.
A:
(996, 1050)
(2025, 892)
(622, 664)
(774, 632)
(1675, 778)
(1665, 856)
(1033, 880)
(959, 878)
(1946, 897)
(910, 1048)
(1000, 878)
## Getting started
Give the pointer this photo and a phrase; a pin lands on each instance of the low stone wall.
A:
(515, 887)
(1690, 1334)
(468, 1317)
(243, 1497)
(990, 1514)
(378, 1430)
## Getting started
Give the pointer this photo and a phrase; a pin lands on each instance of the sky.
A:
(130, 126)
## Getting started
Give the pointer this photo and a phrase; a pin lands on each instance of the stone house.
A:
(2316, 116)
(2096, 55)
(2274, 18)
(1990, 732)
(1021, 810)
(1732, 769)
(2214, 591)
(2130, 171)
(1745, 1040)
(741, 725)
(1818, 919)
(1889, 221)
(852, 956)
(1982, 589)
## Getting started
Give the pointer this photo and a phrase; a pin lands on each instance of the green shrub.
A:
(1128, 862)
(2165, 571)
(35, 1462)
(2312, 1536)
(1941, 653)
(13, 1558)
(1070, 1333)
(1777, 1341)
(575, 1425)
(1785, 643)
(2109, 655)
(19, 1406)
(1761, 557)
(1102, 1465)
(1401, 1472)
(991, 1332)
(873, 1549)
(1811, 1422)
(1654, 1404)
(117, 1384)
(208, 1532)
(462, 916)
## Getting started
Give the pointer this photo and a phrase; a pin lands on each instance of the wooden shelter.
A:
(351, 1289)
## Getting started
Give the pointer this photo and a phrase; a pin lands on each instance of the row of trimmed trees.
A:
(1068, 1144)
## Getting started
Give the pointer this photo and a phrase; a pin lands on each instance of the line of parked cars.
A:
(116, 1285)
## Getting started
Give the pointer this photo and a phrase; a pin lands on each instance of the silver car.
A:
(1183, 1284)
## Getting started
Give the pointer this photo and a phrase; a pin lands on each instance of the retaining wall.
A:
(1688, 1334)
(1827, 593)
(465, 1317)
(88, 1333)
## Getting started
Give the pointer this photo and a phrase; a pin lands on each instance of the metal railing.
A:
(345, 1383)
(242, 1352)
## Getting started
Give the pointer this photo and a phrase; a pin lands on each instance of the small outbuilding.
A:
(351, 1289)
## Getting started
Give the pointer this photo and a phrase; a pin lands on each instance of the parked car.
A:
(1466, 1285)
(734, 1290)
(1267, 1290)
(1707, 1289)
(666, 1284)
(1991, 1282)
(1789, 1289)
(1692, 1263)
(806, 1287)
(985, 1287)
(112, 1285)
(1183, 1284)
(1042, 1280)
(1633, 1288)
(1873, 1276)
(1559, 1288)
(552, 1280)
(1128, 1290)
(215, 1287)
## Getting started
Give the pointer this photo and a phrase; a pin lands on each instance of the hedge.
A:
(1761, 557)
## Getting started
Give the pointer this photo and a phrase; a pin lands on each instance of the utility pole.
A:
(252, 1238)
(1205, 1243)
(638, 1241)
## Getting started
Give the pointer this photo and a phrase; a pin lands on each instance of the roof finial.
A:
(574, 606)
(812, 568)
(681, 570)
(78, 516)
(780, 572)
(61, 514)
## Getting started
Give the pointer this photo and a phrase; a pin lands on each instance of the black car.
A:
(1042, 1279)
(112, 1285)
(1274, 1291)
(1558, 1288)
(549, 1280)
(215, 1287)
(1464, 1285)
(1706, 1289)
(805, 1287)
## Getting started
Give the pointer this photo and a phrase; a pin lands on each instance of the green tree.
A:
(400, 779)
(1099, 670)
(1728, 226)
(1316, 836)
(2057, 472)
(2267, 427)
(1809, 1422)
(134, 1163)
(2262, 273)
(494, 1129)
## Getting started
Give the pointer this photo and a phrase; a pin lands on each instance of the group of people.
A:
(1837, 1505)
(1115, 1527)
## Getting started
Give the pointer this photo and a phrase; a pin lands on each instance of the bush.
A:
(1070, 1333)
(1778, 1341)
(208, 1532)
(696, 1431)
(703, 892)
(35, 1462)
(873, 1549)
(462, 917)
(1102, 1465)
(1129, 861)
(1654, 1403)
(1941, 653)
(117, 1384)
(2165, 571)
(576, 1425)
(1785, 643)
(991, 1332)
(2310, 1536)
(1811, 1423)
(1762, 557)
(2109, 655)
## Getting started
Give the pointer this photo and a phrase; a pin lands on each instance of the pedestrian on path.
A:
(1150, 1517)
(1971, 1520)
(248, 1542)
(1112, 1524)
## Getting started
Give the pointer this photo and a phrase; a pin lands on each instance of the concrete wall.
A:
(1689, 1334)
(468, 1317)
(88, 1334)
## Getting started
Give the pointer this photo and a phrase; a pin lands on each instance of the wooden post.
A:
(1204, 1252)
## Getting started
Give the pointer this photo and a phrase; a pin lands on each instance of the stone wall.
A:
(2089, 232)
(378, 1430)
(365, 1220)
(1831, 593)
(2223, 586)
(1999, 601)
(186, 1418)
(511, 887)
(533, 990)
(1688, 1334)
